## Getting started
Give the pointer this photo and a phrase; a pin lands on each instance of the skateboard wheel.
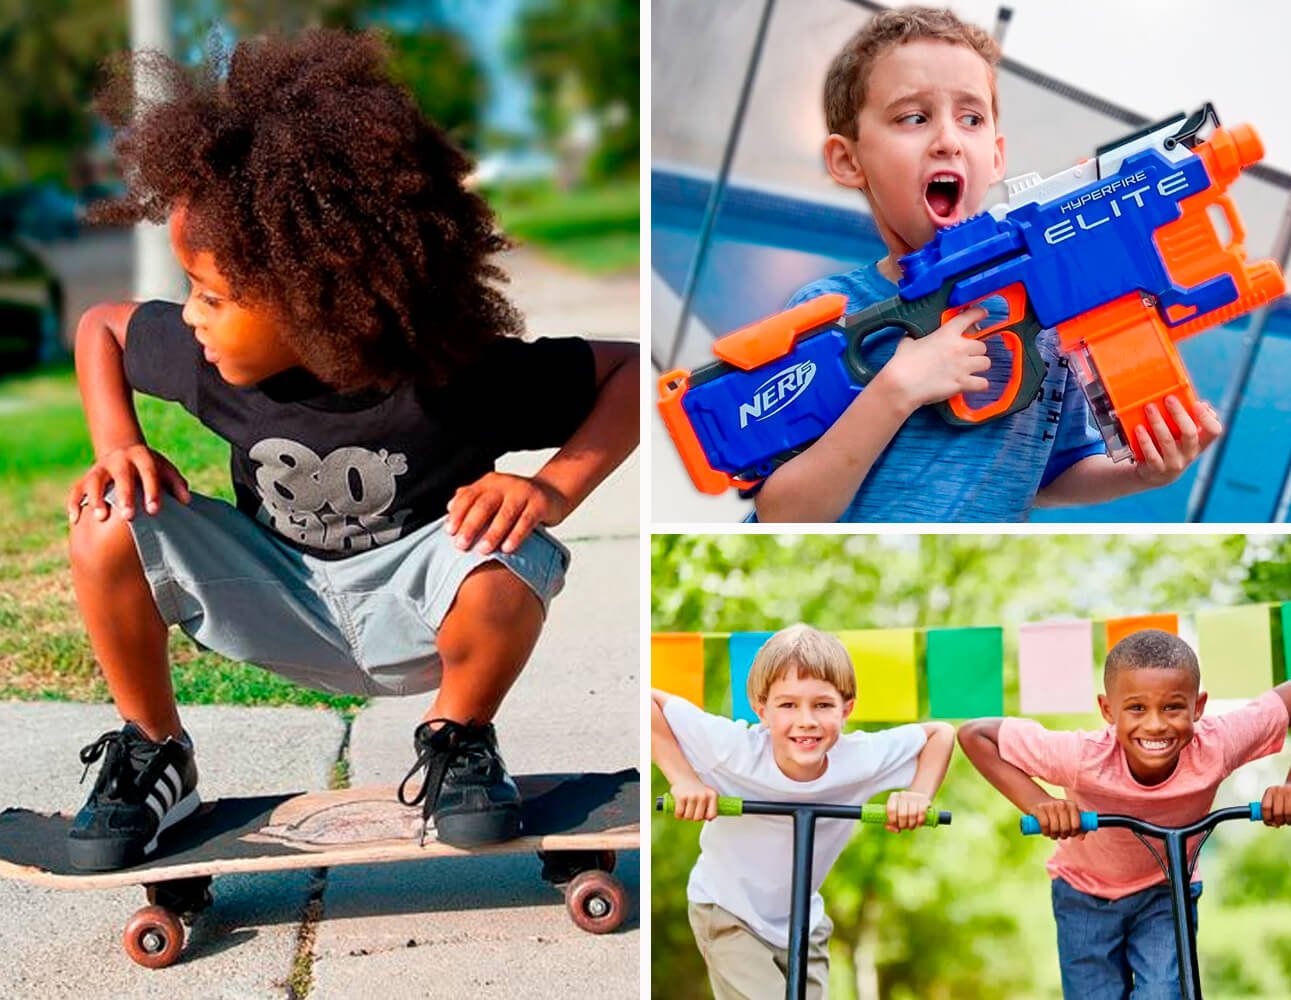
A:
(597, 901)
(154, 937)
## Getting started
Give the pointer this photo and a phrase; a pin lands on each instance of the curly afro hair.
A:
(319, 188)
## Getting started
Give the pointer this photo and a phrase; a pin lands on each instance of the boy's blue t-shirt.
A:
(933, 471)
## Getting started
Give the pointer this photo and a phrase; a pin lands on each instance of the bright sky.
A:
(1157, 57)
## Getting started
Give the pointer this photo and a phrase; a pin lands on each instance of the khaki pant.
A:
(741, 966)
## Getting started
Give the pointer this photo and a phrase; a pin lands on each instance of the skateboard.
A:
(573, 822)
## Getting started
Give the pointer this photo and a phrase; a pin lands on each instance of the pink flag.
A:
(1056, 668)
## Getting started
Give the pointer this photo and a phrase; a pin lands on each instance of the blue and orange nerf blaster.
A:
(1120, 254)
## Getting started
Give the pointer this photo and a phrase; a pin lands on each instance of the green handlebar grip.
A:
(878, 813)
(727, 805)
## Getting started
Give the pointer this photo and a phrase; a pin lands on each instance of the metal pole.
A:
(1185, 931)
(719, 186)
(1002, 17)
(1209, 463)
(1282, 254)
(804, 834)
(156, 273)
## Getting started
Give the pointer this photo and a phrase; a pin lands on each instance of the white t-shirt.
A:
(745, 864)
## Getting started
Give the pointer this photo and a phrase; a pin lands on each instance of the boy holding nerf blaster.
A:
(1159, 760)
(1100, 267)
(802, 686)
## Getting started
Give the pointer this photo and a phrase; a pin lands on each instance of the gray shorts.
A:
(366, 624)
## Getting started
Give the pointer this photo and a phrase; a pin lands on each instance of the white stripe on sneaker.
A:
(154, 803)
(184, 808)
(163, 790)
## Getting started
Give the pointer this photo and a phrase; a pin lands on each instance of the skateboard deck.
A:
(574, 822)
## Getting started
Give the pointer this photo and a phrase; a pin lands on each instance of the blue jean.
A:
(1113, 949)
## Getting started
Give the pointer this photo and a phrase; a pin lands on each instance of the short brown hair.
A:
(849, 73)
(806, 650)
(1151, 649)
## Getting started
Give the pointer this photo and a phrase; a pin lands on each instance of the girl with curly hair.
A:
(344, 334)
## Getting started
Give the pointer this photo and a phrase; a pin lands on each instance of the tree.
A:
(445, 79)
(584, 58)
(49, 64)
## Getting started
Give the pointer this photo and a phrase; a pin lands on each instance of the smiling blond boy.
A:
(802, 687)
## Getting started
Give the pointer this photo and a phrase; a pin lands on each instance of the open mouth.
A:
(942, 195)
(807, 742)
(1154, 746)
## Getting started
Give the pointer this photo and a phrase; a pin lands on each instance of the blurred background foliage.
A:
(544, 93)
(963, 912)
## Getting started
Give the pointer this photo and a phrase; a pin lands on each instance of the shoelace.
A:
(452, 741)
(125, 755)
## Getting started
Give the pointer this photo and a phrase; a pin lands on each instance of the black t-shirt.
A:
(334, 474)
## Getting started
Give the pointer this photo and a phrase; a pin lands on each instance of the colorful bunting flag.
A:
(717, 673)
(1056, 668)
(1236, 651)
(1119, 628)
(677, 665)
(743, 647)
(965, 672)
(887, 687)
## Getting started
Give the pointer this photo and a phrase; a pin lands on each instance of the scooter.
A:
(804, 816)
(1176, 865)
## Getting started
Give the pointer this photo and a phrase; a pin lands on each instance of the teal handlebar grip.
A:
(1088, 823)
(1257, 812)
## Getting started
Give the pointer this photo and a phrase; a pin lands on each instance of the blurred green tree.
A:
(49, 60)
(584, 59)
(446, 80)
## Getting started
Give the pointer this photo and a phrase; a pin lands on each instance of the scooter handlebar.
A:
(730, 805)
(1089, 820)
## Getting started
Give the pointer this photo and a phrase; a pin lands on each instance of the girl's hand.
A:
(695, 800)
(124, 469)
(906, 810)
(1276, 805)
(501, 510)
(943, 364)
(1166, 458)
(1059, 819)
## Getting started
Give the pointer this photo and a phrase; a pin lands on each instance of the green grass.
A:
(44, 654)
(594, 229)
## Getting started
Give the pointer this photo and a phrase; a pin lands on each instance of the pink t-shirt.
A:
(1091, 768)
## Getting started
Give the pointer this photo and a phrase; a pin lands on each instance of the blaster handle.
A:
(923, 316)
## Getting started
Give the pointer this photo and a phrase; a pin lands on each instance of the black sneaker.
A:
(142, 789)
(466, 787)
